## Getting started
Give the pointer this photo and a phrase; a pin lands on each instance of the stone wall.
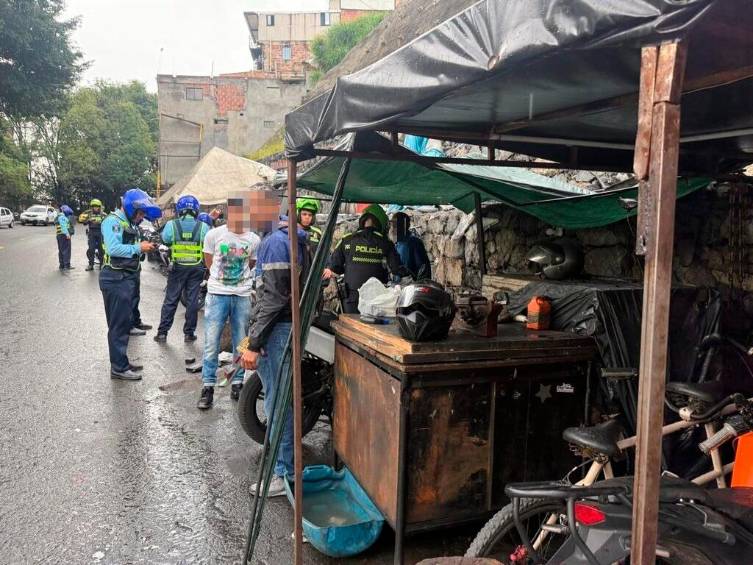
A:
(702, 243)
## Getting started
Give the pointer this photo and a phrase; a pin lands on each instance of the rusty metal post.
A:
(295, 308)
(656, 162)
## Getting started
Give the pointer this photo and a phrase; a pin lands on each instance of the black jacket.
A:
(362, 255)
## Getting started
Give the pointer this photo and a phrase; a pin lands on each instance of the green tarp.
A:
(410, 183)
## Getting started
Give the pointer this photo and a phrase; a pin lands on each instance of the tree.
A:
(38, 63)
(15, 188)
(331, 47)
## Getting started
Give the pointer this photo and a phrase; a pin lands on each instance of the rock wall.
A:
(704, 241)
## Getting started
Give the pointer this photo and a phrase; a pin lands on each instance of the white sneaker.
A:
(276, 487)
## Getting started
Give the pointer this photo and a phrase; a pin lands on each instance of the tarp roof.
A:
(545, 77)
(412, 183)
(218, 175)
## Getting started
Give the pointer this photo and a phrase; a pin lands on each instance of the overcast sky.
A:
(122, 38)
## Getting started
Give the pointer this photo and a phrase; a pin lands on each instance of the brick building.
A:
(237, 112)
(279, 41)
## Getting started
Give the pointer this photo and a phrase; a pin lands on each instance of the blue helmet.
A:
(206, 218)
(187, 205)
(65, 209)
(136, 199)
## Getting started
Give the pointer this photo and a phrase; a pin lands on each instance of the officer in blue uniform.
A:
(119, 276)
(63, 233)
(185, 237)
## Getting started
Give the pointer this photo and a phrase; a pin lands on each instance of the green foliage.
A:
(15, 188)
(103, 144)
(38, 63)
(330, 48)
(273, 145)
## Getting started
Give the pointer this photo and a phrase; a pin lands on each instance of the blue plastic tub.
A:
(339, 518)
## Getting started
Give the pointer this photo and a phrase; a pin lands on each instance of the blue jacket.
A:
(273, 283)
(413, 256)
(112, 236)
(64, 223)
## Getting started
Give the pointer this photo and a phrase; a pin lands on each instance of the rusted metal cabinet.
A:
(433, 431)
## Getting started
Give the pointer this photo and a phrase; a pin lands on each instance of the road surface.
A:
(101, 471)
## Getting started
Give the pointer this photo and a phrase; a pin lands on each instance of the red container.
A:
(539, 313)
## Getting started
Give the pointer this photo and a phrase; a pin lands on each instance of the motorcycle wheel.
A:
(499, 537)
(251, 411)
(200, 300)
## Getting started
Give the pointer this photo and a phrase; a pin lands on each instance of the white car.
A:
(38, 215)
(6, 218)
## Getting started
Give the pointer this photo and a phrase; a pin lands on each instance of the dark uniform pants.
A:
(350, 306)
(135, 314)
(180, 278)
(118, 288)
(64, 251)
(95, 246)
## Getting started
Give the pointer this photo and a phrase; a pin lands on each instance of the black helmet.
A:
(425, 311)
(557, 259)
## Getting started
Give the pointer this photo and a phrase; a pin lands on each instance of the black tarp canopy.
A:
(552, 79)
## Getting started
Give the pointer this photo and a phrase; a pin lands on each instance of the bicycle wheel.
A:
(499, 537)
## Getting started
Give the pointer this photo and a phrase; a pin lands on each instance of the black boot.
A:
(207, 398)
(235, 391)
(90, 268)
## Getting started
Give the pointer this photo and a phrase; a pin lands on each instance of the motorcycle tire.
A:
(491, 540)
(248, 415)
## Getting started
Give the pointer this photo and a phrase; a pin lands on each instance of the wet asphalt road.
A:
(100, 471)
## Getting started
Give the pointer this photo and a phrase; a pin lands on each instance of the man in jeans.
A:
(230, 255)
(269, 330)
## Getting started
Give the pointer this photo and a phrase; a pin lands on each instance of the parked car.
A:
(38, 214)
(6, 218)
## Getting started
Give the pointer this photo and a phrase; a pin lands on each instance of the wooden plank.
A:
(665, 139)
(366, 423)
(670, 67)
(649, 57)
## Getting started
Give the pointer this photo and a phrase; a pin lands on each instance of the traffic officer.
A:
(307, 209)
(364, 254)
(185, 236)
(118, 278)
(92, 219)
(63, 231)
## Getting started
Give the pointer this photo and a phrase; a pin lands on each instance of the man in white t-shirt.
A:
(230, 255)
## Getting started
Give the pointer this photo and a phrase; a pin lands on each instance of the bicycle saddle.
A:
(710, 392)
(601, 438)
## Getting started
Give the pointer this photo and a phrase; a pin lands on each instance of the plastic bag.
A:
(375, 299)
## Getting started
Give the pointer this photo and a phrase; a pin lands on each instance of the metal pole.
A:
(480, 234)
(295, 308)
(656, 159)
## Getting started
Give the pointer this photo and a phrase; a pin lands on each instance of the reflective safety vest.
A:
(94, 220)
(59, 226)
(315, 234)
(130, 236)
(186, 247)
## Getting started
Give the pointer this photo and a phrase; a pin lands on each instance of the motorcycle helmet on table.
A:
(557, 259)
(424, 311)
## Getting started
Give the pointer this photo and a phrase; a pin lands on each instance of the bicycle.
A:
(600, 444)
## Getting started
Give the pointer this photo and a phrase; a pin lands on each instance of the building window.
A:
(287, 52)
(194, 94)
(269, 124)
(270, 20)
(324, 18)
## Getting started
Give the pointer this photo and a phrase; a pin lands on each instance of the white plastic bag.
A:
(375, 299)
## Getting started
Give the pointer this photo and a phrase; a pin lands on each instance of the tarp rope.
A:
(309, 299)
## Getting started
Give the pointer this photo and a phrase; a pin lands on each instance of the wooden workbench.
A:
(434, 430)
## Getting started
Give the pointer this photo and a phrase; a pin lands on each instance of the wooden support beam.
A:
(295, 308)
(480, 240)
(661, 189)
(649, 58)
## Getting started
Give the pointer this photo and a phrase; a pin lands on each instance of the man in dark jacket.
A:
(269, 329)
(364, 254)
(411, 249)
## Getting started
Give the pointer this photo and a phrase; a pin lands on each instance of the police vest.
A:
(315, 235)
(186, 248)
(59, 226)
(94, 219)
(130, 236)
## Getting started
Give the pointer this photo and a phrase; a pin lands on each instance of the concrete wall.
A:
(298, 26)
(236, 112)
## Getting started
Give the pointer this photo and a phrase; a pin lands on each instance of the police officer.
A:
(92, 219)
(119, 276)
(185, 236)
(307, 209)
(364, 254)
(63, 232)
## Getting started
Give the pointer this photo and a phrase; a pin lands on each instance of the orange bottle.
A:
(539, 313)
(742, 472)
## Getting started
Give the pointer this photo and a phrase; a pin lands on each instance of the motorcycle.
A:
(695, 524)
(317, 369)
